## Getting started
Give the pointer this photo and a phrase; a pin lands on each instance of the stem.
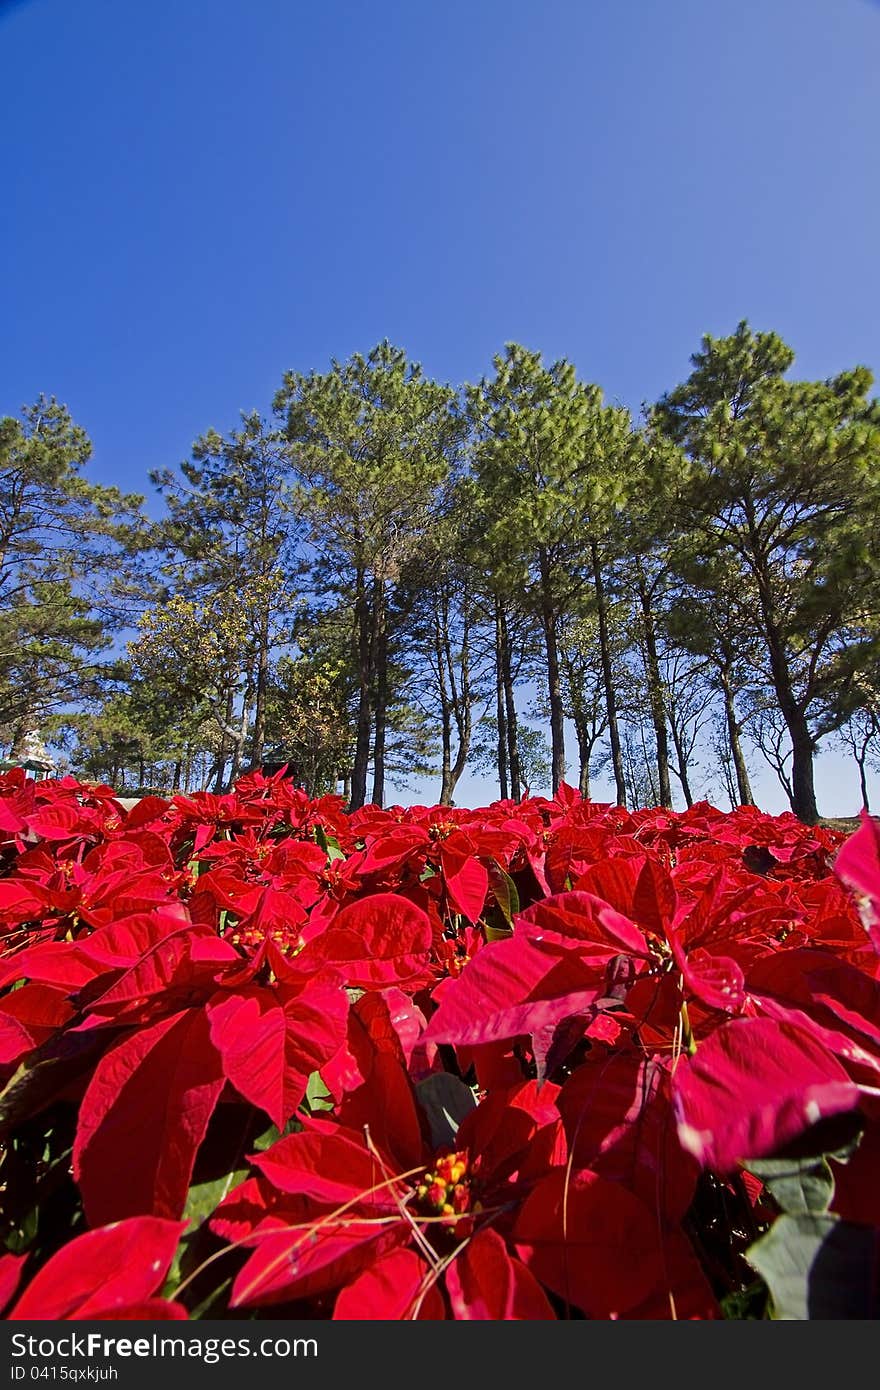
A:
(687, 1037)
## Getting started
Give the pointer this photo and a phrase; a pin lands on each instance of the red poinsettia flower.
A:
(359, 1192)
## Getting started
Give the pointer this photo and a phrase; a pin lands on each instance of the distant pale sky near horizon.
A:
(197, 197)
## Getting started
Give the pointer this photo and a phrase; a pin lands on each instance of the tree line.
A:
(383, 577)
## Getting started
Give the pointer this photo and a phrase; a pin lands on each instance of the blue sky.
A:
(198, 196)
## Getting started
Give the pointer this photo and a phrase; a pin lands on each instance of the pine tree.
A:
(370, 441)
(784, 487)
(62, 547)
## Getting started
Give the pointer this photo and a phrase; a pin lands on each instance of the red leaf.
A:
(143, 1117)
(619, 1122)
(51, 963)
(28, 1017)
(101, 1272)
(61, 822)
(858, 867)
(386, 1023)
(377, 941)
(249, 1206)
(591, 1241)
(573, 852)
(466, 879)
(654, 900)
(389, 1291)
(683, 1291)
(20, 901)
(639, 888)
(848, 994)
(149, 1310)
(327, 1164)
(393, 848)
(831, 999)
(292, 1263)
(861, 1065)
(716, 980)
(513, 1132)
(752, 1087)
(10, 820)
(124, 942)
(175, 961)
(385, 1105)
(856, 1190)
(271, 1041)
(486, 1283)
(600, 931)
(145, 811)
(10, 1275)
(510, 989)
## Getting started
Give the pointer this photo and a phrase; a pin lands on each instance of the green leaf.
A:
(800, 1177)
(24, 1233)
(798, 1185)
(49, 1071)
(204, 1197)
(817, 1266)
(271, 1135)
(497, 933)
(746, 1305)
(202, 1201)
(328, 844)
(445, 1099)
(317, 1095)
(214, 1305)
(503, 890)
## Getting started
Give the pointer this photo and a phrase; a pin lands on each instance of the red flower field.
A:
(547, 1059)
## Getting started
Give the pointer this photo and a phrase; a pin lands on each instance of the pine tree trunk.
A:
(220, 765)
(461, 756)
(513, 766)
(441, 644)
(446, 784)
(462, 710)
(584, 751)
(682, 762)
(262, 684)
(554, 686)
(803, 791)
(655, 695)
(364, 719)
(608, 677)
(240, 740)
(501, 718)
(743, 785)
(380, 629)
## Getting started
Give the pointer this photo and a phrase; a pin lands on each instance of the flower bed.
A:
(546, 1059)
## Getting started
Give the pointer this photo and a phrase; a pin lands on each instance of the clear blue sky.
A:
(200, 194)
